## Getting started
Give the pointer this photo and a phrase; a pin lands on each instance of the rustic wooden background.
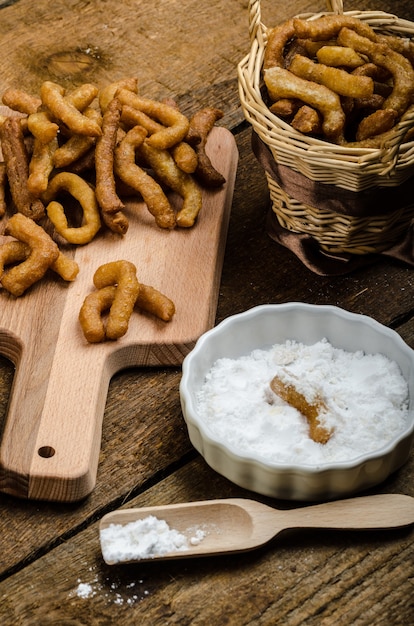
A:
(189, 50)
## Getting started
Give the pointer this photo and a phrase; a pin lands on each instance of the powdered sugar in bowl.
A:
(300, 401)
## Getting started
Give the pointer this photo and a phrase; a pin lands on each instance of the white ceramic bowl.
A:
(262, 327)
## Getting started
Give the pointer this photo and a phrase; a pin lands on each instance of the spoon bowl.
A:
(213, 527)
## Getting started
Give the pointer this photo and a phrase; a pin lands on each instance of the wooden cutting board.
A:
(51, 441)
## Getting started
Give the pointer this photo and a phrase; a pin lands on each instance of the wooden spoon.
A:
(237, 524)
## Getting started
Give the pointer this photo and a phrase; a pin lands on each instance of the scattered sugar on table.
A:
(366, 397)
(145, 538)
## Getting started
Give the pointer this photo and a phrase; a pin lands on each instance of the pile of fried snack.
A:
(96, 147)
(337, 79)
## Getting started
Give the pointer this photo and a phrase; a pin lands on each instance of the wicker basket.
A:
(352, 171)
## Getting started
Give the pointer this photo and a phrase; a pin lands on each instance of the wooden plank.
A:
(302, 577)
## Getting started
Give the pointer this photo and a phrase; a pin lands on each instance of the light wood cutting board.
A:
(51, 441)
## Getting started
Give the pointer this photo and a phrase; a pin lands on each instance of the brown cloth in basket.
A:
(374, 201)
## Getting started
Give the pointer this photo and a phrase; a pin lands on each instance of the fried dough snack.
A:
(85, 195)
(64, 108)
(13, 252)
(17, 167)
(382, 55)
(175, 125)
(123, 275)
(43, 252)
(336, 79)
(201, 124)
(153, 301)
(337, 52)
(281, 83)
(3, 182)
(311, 410)
(119, 291)
(105, 187)
(171, 175)
(134, 176)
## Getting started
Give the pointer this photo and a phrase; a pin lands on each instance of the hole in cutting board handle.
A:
(46, 452)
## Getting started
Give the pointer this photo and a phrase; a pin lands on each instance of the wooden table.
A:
(51, 569)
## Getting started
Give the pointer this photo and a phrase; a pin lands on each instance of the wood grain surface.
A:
(51, 568)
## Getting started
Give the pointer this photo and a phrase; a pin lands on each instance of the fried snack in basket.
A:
(336, 52)
(344, 83)
(281, 83)
(134, 176)
(339, 56)
(17, 167)
(85, 195)
(400, 68)
(311, 410)
(43, 252)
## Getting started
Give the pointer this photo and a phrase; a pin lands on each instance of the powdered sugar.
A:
(143, 539)
(365, 394)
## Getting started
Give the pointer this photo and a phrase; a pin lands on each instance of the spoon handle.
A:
(370, 512)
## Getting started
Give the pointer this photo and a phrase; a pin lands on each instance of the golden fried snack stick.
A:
(307, 120)
(3, 184)
(285, 107)
(122, 275)
(17, 251)
(17, 168)
(310, 410)
(77, 145)
(82, 96)
(382, 55)
(134, 176)
(281, 83)
(53, 96)
(184, 154)
(328, 26)
(336, 79)
(43, 252)
(175, 124)
(339, 56)
(84, 194)
(167, 171)
(376, 123)
(108, 93)
(153, 301)
(105, 187)
(67, 268)
(201, 125)
(41, 125)
(90, 314)
(41, 165)
(19, 100)
(276, 43)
